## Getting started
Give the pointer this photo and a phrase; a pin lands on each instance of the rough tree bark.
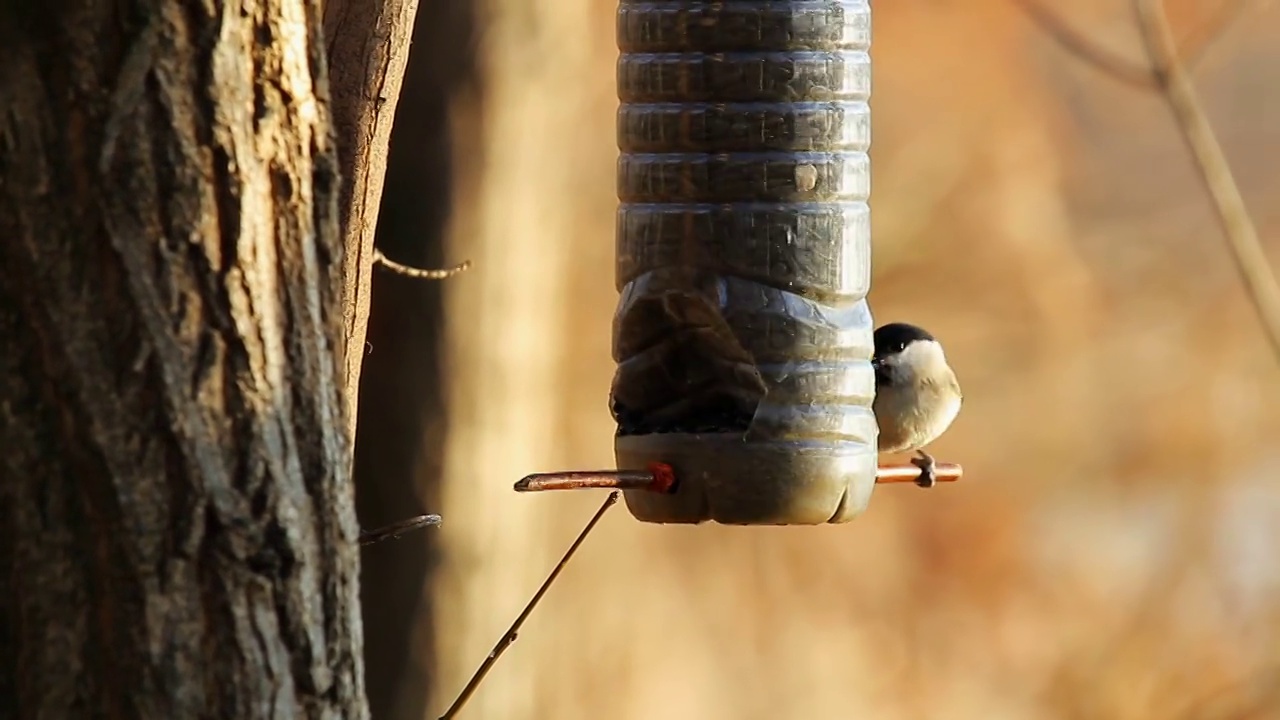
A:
(177, 534)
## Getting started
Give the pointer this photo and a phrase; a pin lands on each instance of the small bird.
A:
(917, 395)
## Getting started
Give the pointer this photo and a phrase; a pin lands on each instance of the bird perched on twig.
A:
(917, 395)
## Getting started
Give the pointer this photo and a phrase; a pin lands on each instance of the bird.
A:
(917, 394)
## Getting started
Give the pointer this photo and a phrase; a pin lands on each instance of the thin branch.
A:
(1193, 46)
(1076, 43)
(509, 636)
(1242, 237)
(1168, 75)
(396, 529)
(657, 477)
(1196, 44)
(420, 273)
(587, 479)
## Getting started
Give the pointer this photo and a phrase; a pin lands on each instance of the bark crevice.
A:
(175, 483)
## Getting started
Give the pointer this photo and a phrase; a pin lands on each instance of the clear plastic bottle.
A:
(742, 334)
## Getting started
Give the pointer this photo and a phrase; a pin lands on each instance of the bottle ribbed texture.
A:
(743, 255)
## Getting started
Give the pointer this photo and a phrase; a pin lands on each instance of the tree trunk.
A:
(177, 535)
(368, 46)
(402, 424)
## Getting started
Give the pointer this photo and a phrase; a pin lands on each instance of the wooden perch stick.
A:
(661, 478)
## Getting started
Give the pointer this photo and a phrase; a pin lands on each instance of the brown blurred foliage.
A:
(1110, 553)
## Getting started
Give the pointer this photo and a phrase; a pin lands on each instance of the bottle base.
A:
(726, 479)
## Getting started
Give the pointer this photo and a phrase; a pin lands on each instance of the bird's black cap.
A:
(892, 338)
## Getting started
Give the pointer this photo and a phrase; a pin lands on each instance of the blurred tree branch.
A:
(1192, 48)
(1215, 171)
(1167, 74)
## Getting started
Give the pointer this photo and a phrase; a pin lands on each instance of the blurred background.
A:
(1111, 552)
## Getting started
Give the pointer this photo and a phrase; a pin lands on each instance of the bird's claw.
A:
(928, 469)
